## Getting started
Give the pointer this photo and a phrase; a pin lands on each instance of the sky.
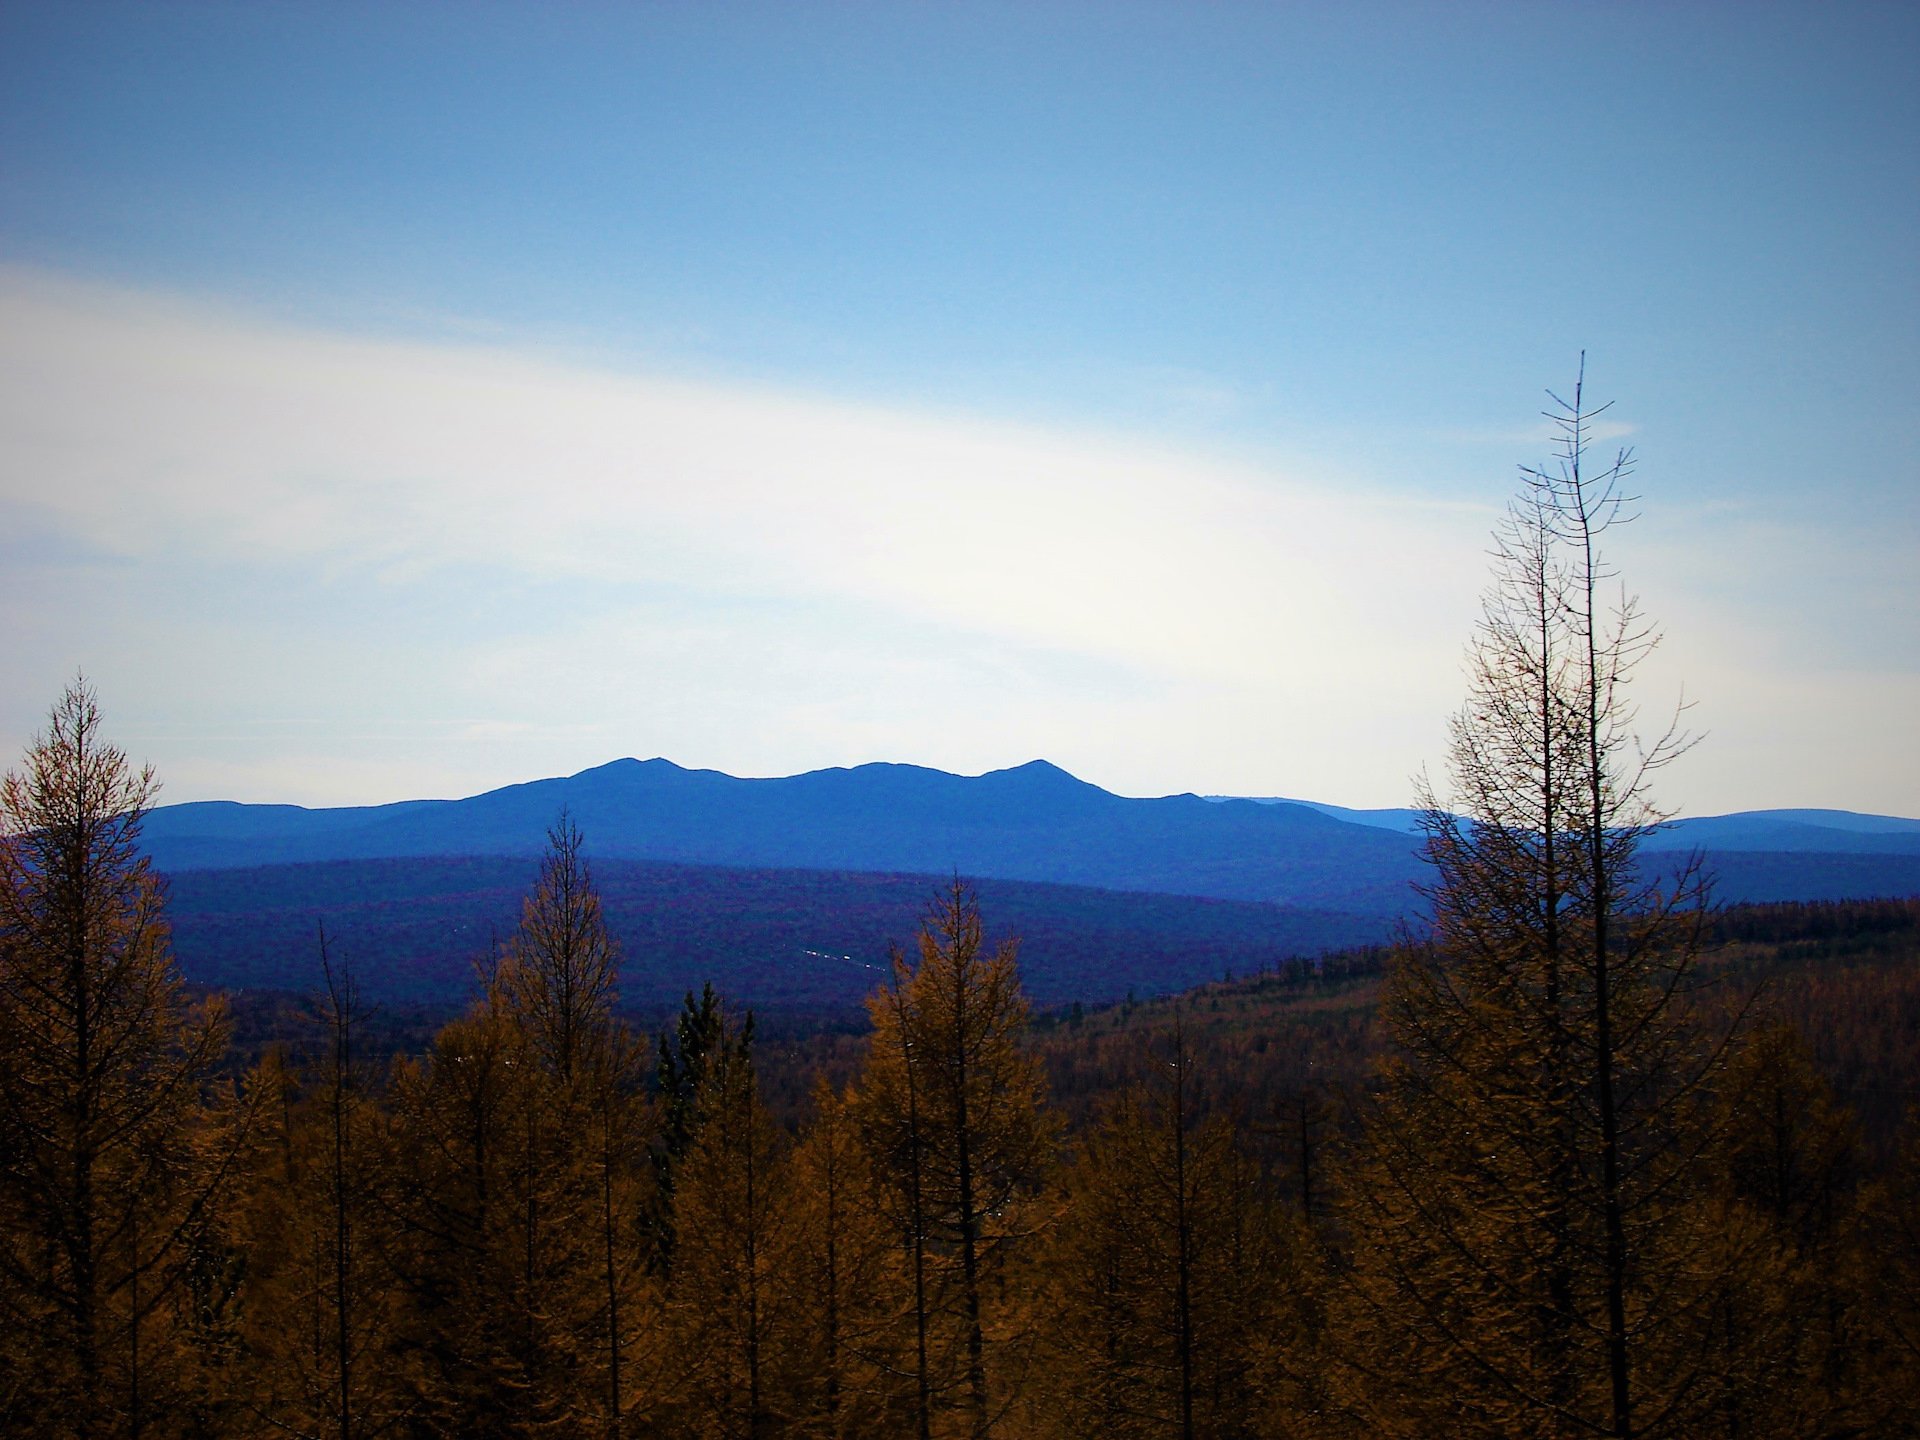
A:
(407, 400)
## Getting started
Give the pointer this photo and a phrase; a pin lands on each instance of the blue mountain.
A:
(1034, 822)
(1836, 832)
(786, 890)
(1833, 832)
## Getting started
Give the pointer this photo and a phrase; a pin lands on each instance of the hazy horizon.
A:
(1318, 802)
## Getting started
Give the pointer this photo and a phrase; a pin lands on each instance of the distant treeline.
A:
(1845, 974)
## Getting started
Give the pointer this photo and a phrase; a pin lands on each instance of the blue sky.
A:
(404, 400)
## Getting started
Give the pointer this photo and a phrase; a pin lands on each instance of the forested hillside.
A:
(1141, 1218)
(1844, 976)
(779, 939)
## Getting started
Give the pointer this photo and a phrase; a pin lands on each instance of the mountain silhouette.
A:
(1033, 822)
(787, 889)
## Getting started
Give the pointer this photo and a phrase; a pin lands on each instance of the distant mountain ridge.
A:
(1840, 832)
(1032, 823)
(785, 890)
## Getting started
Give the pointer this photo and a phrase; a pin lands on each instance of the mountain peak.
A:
(1040, 772)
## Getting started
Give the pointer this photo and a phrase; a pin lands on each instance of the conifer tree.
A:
(518, 1182)
(839, 1278)
(1533, 1249)
(1792, 1149)
(1791, 1321)
(498, 1248)
(1168, 1273)
(456, 1190)
(562, 967)
(623, 1126)
(558, 985)
(726, 1379)
(106, 1182)
(319, 1327)
(699, 1047)
(893, 1118)
(953, 1103)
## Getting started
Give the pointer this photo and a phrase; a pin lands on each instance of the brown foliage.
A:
(111, 1161)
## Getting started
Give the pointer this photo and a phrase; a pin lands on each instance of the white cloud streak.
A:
(175, 430)
(736, 577)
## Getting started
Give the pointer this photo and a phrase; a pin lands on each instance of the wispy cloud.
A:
(475, 562)
(143, 426)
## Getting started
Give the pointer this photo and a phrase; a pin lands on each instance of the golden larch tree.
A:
(1533, 1240)
(105, 1179)
(952, 1104)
